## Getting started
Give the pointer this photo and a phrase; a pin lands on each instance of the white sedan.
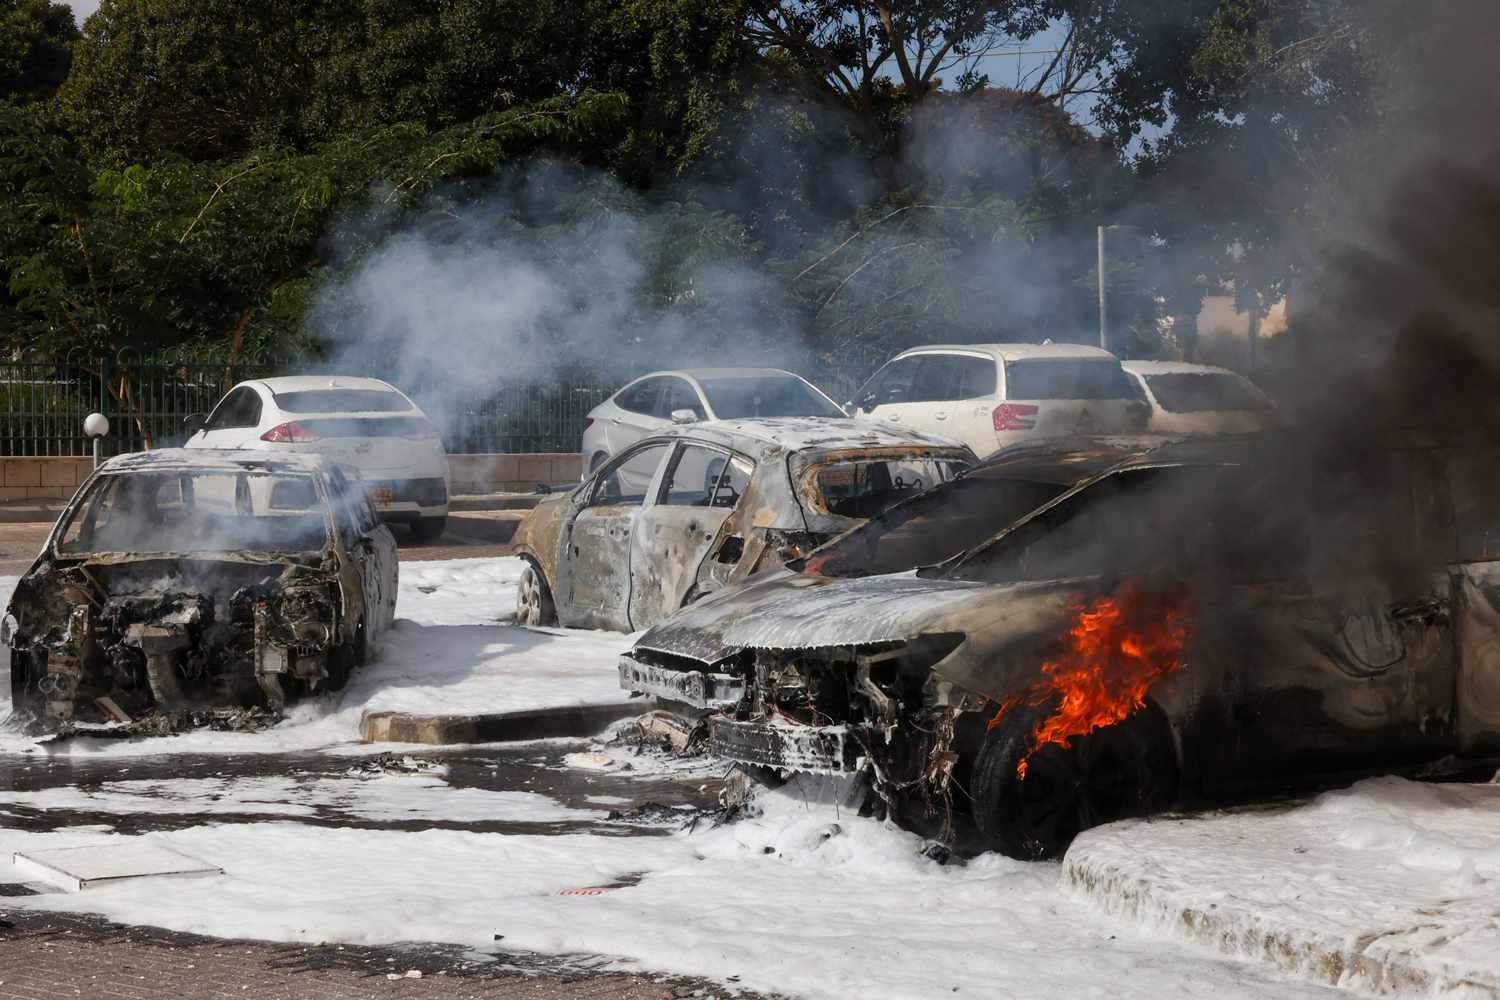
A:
(1200, 399)
(655, 402)
(360, 423)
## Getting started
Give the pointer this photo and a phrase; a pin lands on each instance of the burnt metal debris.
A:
(968, 693)
(182, 589)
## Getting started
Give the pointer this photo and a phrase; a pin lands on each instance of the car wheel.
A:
(1128, 769)
(534, 599)
(428, 529)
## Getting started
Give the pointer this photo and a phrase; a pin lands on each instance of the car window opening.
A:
(177, 512)
(1068, 378)
(342, 401)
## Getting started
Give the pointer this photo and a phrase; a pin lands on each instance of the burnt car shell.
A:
(105, 633)
(1292, 672)
(625, 566)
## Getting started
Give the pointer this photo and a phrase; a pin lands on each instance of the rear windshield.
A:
(342, 401)
(1190, 392)
(865, 488)
(931, 528)
(766, 396)
(367, 427)
(1068, 378)
(173, 512)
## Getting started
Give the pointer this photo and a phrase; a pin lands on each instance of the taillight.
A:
(419, 429)
(292, 433)
(588, 422)
(1015, 417)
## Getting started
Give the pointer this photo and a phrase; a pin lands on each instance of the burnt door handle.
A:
(1421, 612)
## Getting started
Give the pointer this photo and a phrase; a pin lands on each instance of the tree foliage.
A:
(35, 36)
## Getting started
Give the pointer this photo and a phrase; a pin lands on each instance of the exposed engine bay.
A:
(117, 641)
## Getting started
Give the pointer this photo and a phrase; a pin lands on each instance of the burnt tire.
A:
(1128, 769)
(428, 529)
(24, 675)
(534, 604)
(348, 658)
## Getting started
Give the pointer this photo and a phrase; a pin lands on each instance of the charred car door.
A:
(593, 559)
(673, 535)
(1337, 652)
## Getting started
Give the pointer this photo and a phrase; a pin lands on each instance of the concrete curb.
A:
(495, 501)
(1367, 964)
(497, 727)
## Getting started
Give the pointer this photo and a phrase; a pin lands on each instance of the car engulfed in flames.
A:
(178, 582)
(1114, 651)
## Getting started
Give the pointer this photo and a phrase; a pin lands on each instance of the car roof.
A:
(303, 383)
(800, 434)
(212, 459)
(1015, 352)
(1175, 368)
(713, 373)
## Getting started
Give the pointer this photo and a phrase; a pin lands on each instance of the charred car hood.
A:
(1009, 628)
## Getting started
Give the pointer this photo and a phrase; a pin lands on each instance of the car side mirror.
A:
(851, 409)
(193, 423)
(684, 416)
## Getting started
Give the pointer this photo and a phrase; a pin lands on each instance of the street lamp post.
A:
(1103, 311)
(1102, 321)
(96, 426)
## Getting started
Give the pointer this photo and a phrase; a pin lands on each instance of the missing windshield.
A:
(181, 512)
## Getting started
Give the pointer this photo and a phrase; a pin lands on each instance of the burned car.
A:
(1199, 620)
(177, 580)
(679, 515)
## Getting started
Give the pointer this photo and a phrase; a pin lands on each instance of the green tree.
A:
(35, 36)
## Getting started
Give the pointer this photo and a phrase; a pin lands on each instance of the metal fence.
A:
(43, 403)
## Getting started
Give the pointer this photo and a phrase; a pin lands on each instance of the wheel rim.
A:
(528, 597)
(1068, 790)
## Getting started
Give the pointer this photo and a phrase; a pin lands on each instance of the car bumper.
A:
(785, 746)
(698, 688)
(409, 499)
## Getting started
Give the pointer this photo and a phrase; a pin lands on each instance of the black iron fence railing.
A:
(43, 403)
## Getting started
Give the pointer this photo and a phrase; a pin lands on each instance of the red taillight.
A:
(419, 429)
(1014, 417)
(588, 422)
(292, 433)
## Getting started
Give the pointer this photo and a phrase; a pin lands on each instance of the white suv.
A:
(362, 423)
(990, 396)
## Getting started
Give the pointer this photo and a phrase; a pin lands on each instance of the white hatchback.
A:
(655, 402)
(360, 423)
(1200, 399)
(991, 396)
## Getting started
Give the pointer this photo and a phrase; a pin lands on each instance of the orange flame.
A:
(1116, 649)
